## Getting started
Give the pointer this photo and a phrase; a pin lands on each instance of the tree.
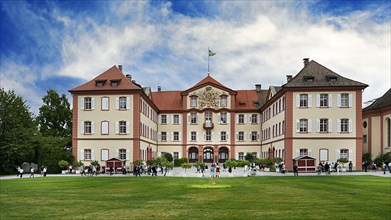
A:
(55, 115)
(62, 164)
(52, 150)
(186, 166)
(17, 132)
(168, 156)
(249, 157)
(367, 158)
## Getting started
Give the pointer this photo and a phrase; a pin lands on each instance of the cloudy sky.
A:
(62, 44)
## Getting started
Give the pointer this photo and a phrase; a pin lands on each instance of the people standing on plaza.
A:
(31, 172)
(384, 167)
(319, 169)
(42, 170)
(111, 170)
(21, 172)
(17, 171)
(295, 170)
(70, 168)
(365, 165)
(217, 170)
(97, 169)
(350, 166)
(327, 168)
(45, 169)
(212, 171)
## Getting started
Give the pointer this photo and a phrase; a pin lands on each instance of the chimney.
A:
(306, 61)
(120, 67)
(159, 88)
(258, 87)
(128, 76)
(288, 78)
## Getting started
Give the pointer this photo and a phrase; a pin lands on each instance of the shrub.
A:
(367, 158)
(386, 158)
(186, 166)
(168, 156)
(178, 162)
(62, 164)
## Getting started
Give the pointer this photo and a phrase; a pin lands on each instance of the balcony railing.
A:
(208, 125)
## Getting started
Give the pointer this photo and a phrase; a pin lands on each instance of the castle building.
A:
(377, 126)
(315, 117)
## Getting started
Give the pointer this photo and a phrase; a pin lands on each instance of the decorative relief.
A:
(208, 98)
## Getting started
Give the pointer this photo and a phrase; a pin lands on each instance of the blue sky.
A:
(62, 44)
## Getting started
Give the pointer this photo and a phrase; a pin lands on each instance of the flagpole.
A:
(208, 61)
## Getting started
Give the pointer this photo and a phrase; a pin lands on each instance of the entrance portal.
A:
(208, 155)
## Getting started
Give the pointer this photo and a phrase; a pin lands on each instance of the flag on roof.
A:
(211, 54)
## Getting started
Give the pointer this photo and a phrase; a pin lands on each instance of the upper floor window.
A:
(176, 136)
(122, 127)
(344, 125)
(241, 119)
(122, 103)
(223, 101)
(164, 119)
(223, 136)
(193, 101)
(208, 136)
(122, 154)
(303, 100)
(241, 156)
(88, 103)
(223, 118)
(208, 117)
(176, 119)
(193, 118)
(241, 136)
(323, 125)
(193, 136)
(87, 127)
(254, 136)
(87, 154)
(114, 82)
(303, 125)
(344, 100)
(163, 136)
(324, 100)
(105, 103)
(105, 127)
(254, 119)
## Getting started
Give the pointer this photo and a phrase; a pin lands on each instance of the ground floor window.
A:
(241, 156)
(176, 155)
(344, 153)
(122, 154)
(87, 154)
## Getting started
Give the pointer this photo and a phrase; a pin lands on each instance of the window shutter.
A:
(204, 136)
(338, 154)
(297, 152)
(227, 136)
(297, 101)
(237, 136)
(171, 136)
(318, 100)
(330, 125)
(218, 118)
(81, 155)
(258, 135)
(338, 100)
(310, 152)
(188, 118)
(237, 119)
(309, 125)
(338, 125)
(196, 136)
(330, 100)
(160, 135)
(249, 119)
(350, 100)
(189, 137)
(309, 101)
(179, 154)
(351, 155)
(168, 117)
(82, 127)
(116, 154)
(244, 118)
(219, 136)
(237, 156)
(196, 118)
(350, 125)
(127, 103)
(127, 154)
(213, 136)
(160, 119)
(92, 127)
(92, 103)
(127, 127)
(117, 103)
(297, 125)
(228, 117)
(317, 125)
(82, 102)
(180, 119)
(180, 136)
(92, 155)
(117, 127)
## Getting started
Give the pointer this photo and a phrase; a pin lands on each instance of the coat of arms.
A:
(208, 98)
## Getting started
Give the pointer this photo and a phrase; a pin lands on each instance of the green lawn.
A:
(311, 197)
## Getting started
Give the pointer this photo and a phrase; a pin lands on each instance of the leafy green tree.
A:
(63, 164)
(277, 160)
(169, 157)
(186, 166)
(249, 157)
(17, 132)
(52, 150)
(380, 158)
(55, 115)
(367, 158)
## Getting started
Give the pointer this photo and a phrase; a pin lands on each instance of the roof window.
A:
(115, 82)
(100, 83)
(309, 78)
(331, 78)
(242, 104)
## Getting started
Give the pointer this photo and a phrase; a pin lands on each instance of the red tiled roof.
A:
(208, 81)
(167, 100)
(111, 74)
(248, 97)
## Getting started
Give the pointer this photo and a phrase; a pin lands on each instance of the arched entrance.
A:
(223, 154)
(208, 155)
(193, 155)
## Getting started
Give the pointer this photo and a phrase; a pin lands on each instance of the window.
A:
(164, 119)
(324, 125)
(344, 100)
(99, 83)
(193, 119)
(254, 136)
(114, 83)
(364, 139)
(122, 103)
(323, 154)
(208, 136)
(208, 117)
(176, 136)
(87, 154)
(105, 103)
(87, 127)
(303, 152)
(122, 154)
(324, 100)
(303, 100)
(193, 136)
(344, 153)
(104, 154)
(241, 156)
(241, 136)
(365, 124)
(88, 103)
(241, 119)
(176, 155)
(254, 119)
(254, 154)
(164, 136)
(303, 125)
(345, 125)
(176, 119)
(223, 136)
(223, 118)
(223, 101)
(105, 127)
(122, 127)
(193, 101)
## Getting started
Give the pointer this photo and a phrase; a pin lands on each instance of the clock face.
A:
(208, 98)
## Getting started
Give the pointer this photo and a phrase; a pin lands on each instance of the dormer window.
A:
(242, 104)
(114, 82)
(100, 83)
(331, 78)
(309, 78)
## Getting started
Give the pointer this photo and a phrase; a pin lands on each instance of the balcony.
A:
(208, 125)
